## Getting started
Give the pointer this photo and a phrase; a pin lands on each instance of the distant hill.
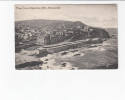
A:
(112, 31)
(48, 25)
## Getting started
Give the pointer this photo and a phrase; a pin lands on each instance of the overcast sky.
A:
(94, 15)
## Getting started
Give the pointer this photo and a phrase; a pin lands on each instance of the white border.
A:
(57, 85)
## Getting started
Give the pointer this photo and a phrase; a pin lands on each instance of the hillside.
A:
(48, 24)
(34, 31)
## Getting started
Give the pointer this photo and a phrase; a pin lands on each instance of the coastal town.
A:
(48, 42)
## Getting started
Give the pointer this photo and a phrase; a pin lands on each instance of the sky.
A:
(101, 15)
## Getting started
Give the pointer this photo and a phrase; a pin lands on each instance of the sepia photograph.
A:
(66, 36)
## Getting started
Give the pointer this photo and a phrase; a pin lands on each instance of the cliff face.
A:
(46, 32)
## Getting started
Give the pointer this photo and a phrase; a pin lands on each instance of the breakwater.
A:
(68, 45)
